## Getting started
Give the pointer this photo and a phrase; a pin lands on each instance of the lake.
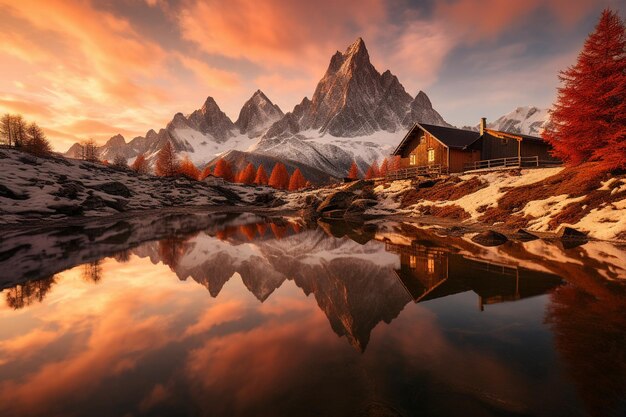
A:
(192, 314)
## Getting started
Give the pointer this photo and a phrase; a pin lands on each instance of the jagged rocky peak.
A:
(257, 114)
(210, 119)
(422, 111)
(116, 141)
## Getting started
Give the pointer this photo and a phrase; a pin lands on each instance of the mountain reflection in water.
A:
(104, 319)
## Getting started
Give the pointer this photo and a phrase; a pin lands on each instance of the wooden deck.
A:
(416, 171)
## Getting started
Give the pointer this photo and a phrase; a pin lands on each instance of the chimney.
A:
(483, 125)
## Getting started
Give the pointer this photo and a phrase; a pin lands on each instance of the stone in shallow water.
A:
(571, 233)
(524, 236)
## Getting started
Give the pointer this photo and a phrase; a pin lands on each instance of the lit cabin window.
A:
(431, 155)
(412, 159)
(413, 261)
(431, 263)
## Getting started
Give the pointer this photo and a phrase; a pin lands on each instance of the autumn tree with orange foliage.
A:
(280, 177)
(166, 163)
(248, 174)
(188, 169)
(395, 164)
(384, 167)
(261, 176)
(588, 120)
(223, 170)
(297, 180)
(373, 171)
(140, 166)
(353, 172)
(205, 172)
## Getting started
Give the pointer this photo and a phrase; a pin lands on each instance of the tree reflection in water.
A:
(590, 336)
(24, 295)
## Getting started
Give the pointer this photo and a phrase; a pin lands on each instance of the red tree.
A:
(353, 173)
(205, 172)
(373, 171)
(223, 170)
(261, 176)
(166, 163)
(396, 163)
(280, 177)
(188, 169)
(297, 180)
(140, 165)
(247, 175)
(588, 120)
(384, 167)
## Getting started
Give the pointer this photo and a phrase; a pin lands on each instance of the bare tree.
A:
(19, 128)
(119, 162)
(35, 141)
(90, 151)
(5, 129)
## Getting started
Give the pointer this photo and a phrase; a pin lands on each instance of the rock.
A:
(569, 233)
(93, 202)
(69, 190)
(358, 185)
(118, 204)
(456, 231)
(333, 214)
(114, 188)
(339, 200)
(362, 204)
(264, 199)
(277, 202)
(524, 236)
(13, 195)
(28, 159)
(490, 238)
(426, 184)
(67, 209)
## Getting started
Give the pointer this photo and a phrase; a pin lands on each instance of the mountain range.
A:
(355, 114)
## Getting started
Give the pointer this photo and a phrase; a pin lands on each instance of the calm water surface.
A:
(196, 315)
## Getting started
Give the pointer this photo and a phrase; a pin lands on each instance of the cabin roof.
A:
(448, 136)
(453, 137)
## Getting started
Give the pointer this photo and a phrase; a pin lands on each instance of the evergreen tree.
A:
(280, 177)
(297, 180)
(588, 121)
(205, 172)
(140, 165)
(6, 133)
(248, 174)
(373, 171)
(261, 176)
(187, 169)
(166, 163)
(119, 162)
(223, 170)
(353, 173)
(384, 167)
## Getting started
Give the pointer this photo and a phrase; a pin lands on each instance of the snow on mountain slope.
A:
(528, 120)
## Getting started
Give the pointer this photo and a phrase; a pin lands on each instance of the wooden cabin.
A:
(454, 150)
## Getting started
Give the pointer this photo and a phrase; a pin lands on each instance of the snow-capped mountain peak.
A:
(257, 114)
(528, 120)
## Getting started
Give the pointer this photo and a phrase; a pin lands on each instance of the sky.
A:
(91, 69)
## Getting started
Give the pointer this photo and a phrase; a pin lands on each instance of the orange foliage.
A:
(247, 175)
(166, 164)
(261, 176)
(248, 230)
(297, 180)
(278, 231)
(384, 167)
(205, 172)
(140, 165)
(188, 169)
(262, 228)
(280, 177)
(223, 170)
(353, 173)
(373, 171)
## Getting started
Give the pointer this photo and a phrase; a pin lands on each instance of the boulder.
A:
(490, 238)
(339, 200)
(114, 188)
(118, 204)
(569, 233)
(358, 185)
(93, 202)
(69, 190)
(524, 236)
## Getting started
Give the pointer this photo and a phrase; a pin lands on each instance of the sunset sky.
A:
(96, 68)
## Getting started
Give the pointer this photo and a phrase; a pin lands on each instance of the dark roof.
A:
(449, 136)
(452, 137)
(524, 137)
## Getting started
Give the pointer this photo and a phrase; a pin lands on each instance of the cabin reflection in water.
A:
(430, 272)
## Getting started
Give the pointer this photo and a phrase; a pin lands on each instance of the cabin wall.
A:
(419, 146)
(458, 159)
(495, 148)
(542, 150)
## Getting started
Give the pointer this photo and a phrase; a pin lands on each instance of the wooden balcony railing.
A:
(514, 162)
(416, 171)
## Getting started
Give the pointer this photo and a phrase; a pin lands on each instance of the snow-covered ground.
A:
(55, 188)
